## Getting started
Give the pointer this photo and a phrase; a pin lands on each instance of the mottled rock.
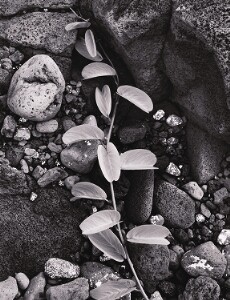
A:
(8, 7)
(5, 77)
(202, 287)
(36, 89)
(22, 281)
(76, 289)
(132, 133)
(174, 120)
(48, 227)
(97, 273)
(22, 134)
(177, 207)
(47, 126)
(151, 263)
(38, 172)
(224, 237)
(60, 268)
(36, 288)
(220, 195)
(194, 190)
(139, 200)
(8, 289)
(81, 156)
(205, 153)
(67, 123)
(40, 30)
(52, 175)
(9, 126)
(205, 260)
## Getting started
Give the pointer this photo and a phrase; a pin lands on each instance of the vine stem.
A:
(125, 248)
(79, 17)
(113, 118)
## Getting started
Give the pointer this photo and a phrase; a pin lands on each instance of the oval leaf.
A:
(148, 234)
(104, 100)
(136, 96)
(97, 69)
(100, 221)
(90, 43)
(138, 159)
(109, 244)
(109, 161)
(80, 46)
(113, 290)
(77, 25)
(88, 190)
(82, 132)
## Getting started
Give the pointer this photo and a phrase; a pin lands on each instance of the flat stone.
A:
(205, 260)
(52, 175)
(175, 206)
(76, 289)
(22, 281)
(47, 126)
(132, 133)
(194, 190)
(220, 195)
(60, 268)
(40, 30)
(8, 289)
(36, 288)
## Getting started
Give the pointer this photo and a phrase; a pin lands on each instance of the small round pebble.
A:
(22, 281)
(47, 127)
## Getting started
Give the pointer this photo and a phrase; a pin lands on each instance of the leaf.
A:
(109, 244)
(82, 132)
(100, 221)
(80, 46)
(97, 69)
(136, 96)
(109, 161)
(88, 190)
(77, 25)
(138, 159)
(113, 290)
(148, 234)
(104, 100)
(90, 43)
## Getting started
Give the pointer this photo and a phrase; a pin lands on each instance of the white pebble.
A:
(224, 237)
(174, 120)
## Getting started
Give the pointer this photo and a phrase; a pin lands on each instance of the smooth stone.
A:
(14, 154)
(194, 190)
(70, 181)
(52, 175)
(9, 126)
(67, 123)
(22, 281)
(36, 89)
(8, 289)
(139, 200)
(205, 260)
(151, 263)
(175, 206)
(202, 287)
(54, 147)
(77, 289)
(47, 127)
(38, 172)
(60, 268)
(132, 133)
(97, 273)
(81, 156)
(220, 195)
(90, 120)
(36, 288)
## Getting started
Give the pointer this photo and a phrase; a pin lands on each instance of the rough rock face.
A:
(40, 30)
(137, 29)
(8, 7)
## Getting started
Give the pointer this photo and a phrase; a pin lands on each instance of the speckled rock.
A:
(76, 289)
(52, 175)
(97, 273)
(151, 263)
(30, 99)
(48, 227)
(8, 7)
(60, 268)
(205, 260)
(40, 30)
(36, 288)
(139, 200)
(8, 289)
(202, 287)
(177, 207)
(81, 156)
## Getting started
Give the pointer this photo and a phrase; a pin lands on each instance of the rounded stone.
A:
(47, 127)
(60, 268)
(36, 89)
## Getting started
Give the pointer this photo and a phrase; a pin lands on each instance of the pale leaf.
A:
(109, 244)
(136, 96)
(138, 159)
(100, 221)
(113, 290)
(88, 190)
(82, 132)
(97, 69)
(90, 43)
(104, 100)
(80, 46)
(77, 25)
(148, 234)
(109, 161)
